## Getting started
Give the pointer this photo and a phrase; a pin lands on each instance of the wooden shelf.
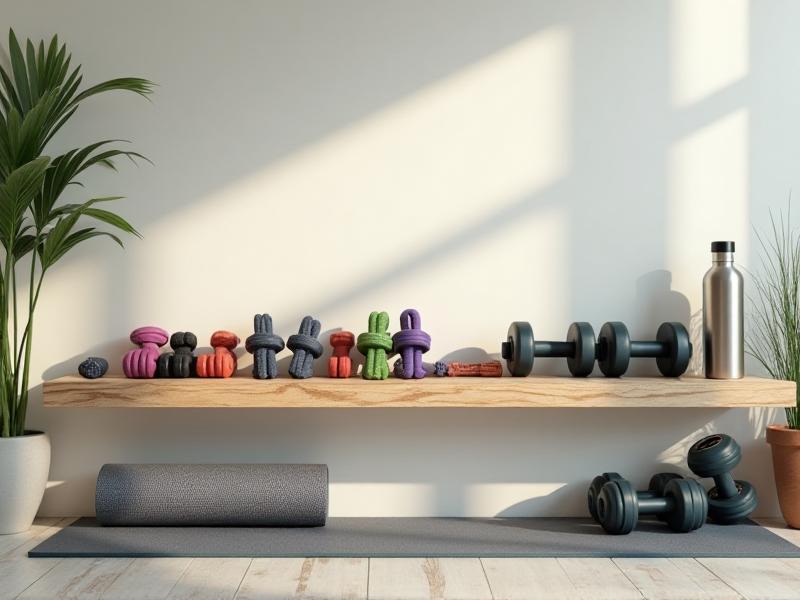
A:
(321, 392)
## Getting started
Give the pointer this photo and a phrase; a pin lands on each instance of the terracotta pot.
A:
(24, 466)
(785, 444)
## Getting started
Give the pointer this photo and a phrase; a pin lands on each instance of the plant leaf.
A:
(16, 195)
(20, 71)
(137, 85)
(111, 219)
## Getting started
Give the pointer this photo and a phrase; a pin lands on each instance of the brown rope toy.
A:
(491, 368)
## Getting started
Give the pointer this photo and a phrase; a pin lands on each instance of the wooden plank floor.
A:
(390, 578)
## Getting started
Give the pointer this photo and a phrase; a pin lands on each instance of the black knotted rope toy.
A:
(263, 345)
(306, 348)
(181, 362)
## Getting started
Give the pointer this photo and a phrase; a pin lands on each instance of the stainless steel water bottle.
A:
(723, 315)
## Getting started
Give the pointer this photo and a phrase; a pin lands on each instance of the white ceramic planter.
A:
(24, 467)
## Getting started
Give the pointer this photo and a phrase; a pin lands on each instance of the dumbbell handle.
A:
(553, 349)
(655, 505)
(542, 349)
(649, 349)
(726, 486)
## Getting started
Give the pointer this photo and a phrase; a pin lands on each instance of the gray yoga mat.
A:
(271, 495)
(430, 537)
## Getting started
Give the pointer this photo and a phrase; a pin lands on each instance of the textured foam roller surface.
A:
(433, 537)
(267, 495)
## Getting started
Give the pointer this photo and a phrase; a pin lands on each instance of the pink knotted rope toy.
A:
(141, 363)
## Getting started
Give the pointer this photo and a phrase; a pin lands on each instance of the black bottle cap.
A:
(723, 246)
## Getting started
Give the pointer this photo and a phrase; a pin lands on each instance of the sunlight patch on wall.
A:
(710, 47)
(676, 453)
(449, 158)
(73, 282)
(364, 499)
(708, 183)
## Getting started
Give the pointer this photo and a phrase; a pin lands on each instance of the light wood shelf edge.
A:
(510, 392)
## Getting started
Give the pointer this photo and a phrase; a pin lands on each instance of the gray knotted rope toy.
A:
(306, 348)
(263, 345)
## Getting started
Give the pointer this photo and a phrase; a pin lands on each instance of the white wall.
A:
(482, 162)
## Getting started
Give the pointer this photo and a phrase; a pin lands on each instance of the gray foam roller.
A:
(269, 495)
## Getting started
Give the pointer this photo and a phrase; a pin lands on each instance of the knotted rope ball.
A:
(306, 348)
(440, 368)
(263, 345)
(397, 368)
(374, 344)
(222, 363)
(141, 363)
(339, 364)
(93, 367)
(411, 342)
(180, 362)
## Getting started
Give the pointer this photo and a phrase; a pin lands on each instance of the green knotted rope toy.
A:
(374, 344)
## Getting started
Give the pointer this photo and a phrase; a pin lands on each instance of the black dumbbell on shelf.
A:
(682, 505)
(613, 349)
(672, 349)
(730, 500)
(521, 349)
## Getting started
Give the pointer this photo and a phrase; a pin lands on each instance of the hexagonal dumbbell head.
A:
(180, 362)
(141, 363)
(222, 363)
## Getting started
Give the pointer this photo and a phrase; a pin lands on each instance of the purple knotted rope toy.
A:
(411, 342)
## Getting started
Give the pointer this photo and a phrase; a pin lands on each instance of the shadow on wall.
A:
(656, 302)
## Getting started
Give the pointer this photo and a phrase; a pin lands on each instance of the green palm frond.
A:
(39, 93)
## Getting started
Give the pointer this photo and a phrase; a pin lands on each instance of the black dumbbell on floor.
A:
(672, 349)
(655, 488)
(716, 456)
(683, 506)
(521, 348)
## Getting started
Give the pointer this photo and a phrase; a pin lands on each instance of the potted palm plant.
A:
(775, 342)
(39, 93)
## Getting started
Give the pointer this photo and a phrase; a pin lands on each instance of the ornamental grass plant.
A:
(774, 339)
